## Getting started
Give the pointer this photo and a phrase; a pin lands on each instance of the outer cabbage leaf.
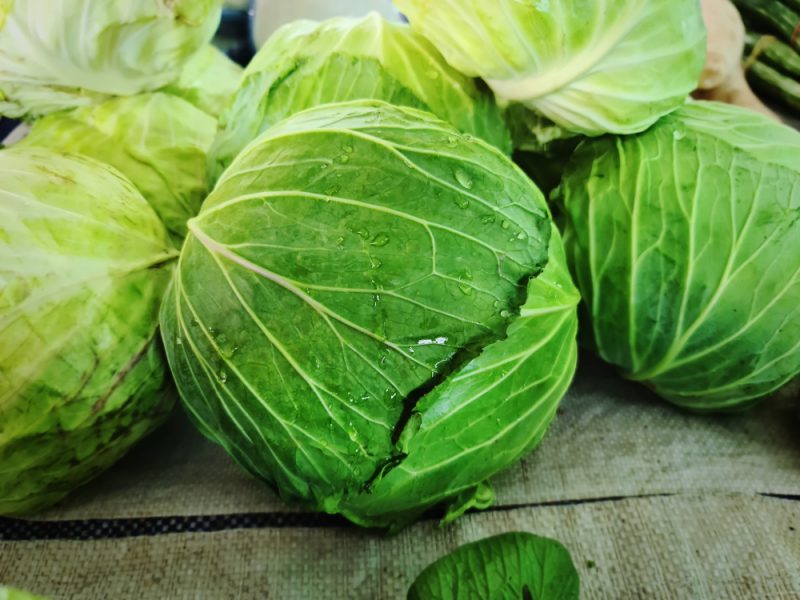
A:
(348, 262)
(83, 267)
(487, 414)
(591, 67)
(208, 80)
(56, 55)
(160, 142)
(306, 63)
(685, 241)
(504, 567)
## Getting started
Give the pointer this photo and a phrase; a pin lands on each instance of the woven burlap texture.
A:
(653, 503)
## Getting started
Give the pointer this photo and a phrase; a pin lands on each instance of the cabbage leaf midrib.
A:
(194, 224)
(212, 378)
(216, 248)
(528, 88)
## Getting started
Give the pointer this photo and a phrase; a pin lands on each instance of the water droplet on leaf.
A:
(380, 240)
(464, 179)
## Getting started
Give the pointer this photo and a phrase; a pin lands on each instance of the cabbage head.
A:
(373, 313)
(61, 54)
(685, 241)
(208, 80)
(307, 63)
(591, 67)
(84, 262)
(158, 141)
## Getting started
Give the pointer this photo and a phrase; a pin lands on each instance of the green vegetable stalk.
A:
(772, 16)
(773, 84)
(773, 52)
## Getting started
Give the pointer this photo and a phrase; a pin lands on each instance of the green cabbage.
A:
(373, 313)
(306, 63)
(591, 67)
(208, 80)
(83, 265)
(686, 245)
(158, 141)
(70, 53)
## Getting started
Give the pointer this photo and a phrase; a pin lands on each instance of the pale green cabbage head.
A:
(591, 67)
(306, 63)
(208, 80)
(685, 241)
(56, 55)
(373, 313)
(158, 141)
(84, 262)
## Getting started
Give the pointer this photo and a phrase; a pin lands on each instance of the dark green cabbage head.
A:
(373, 313)
(685, 241)
(307, 63)
(158, 141)
(84, 262)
